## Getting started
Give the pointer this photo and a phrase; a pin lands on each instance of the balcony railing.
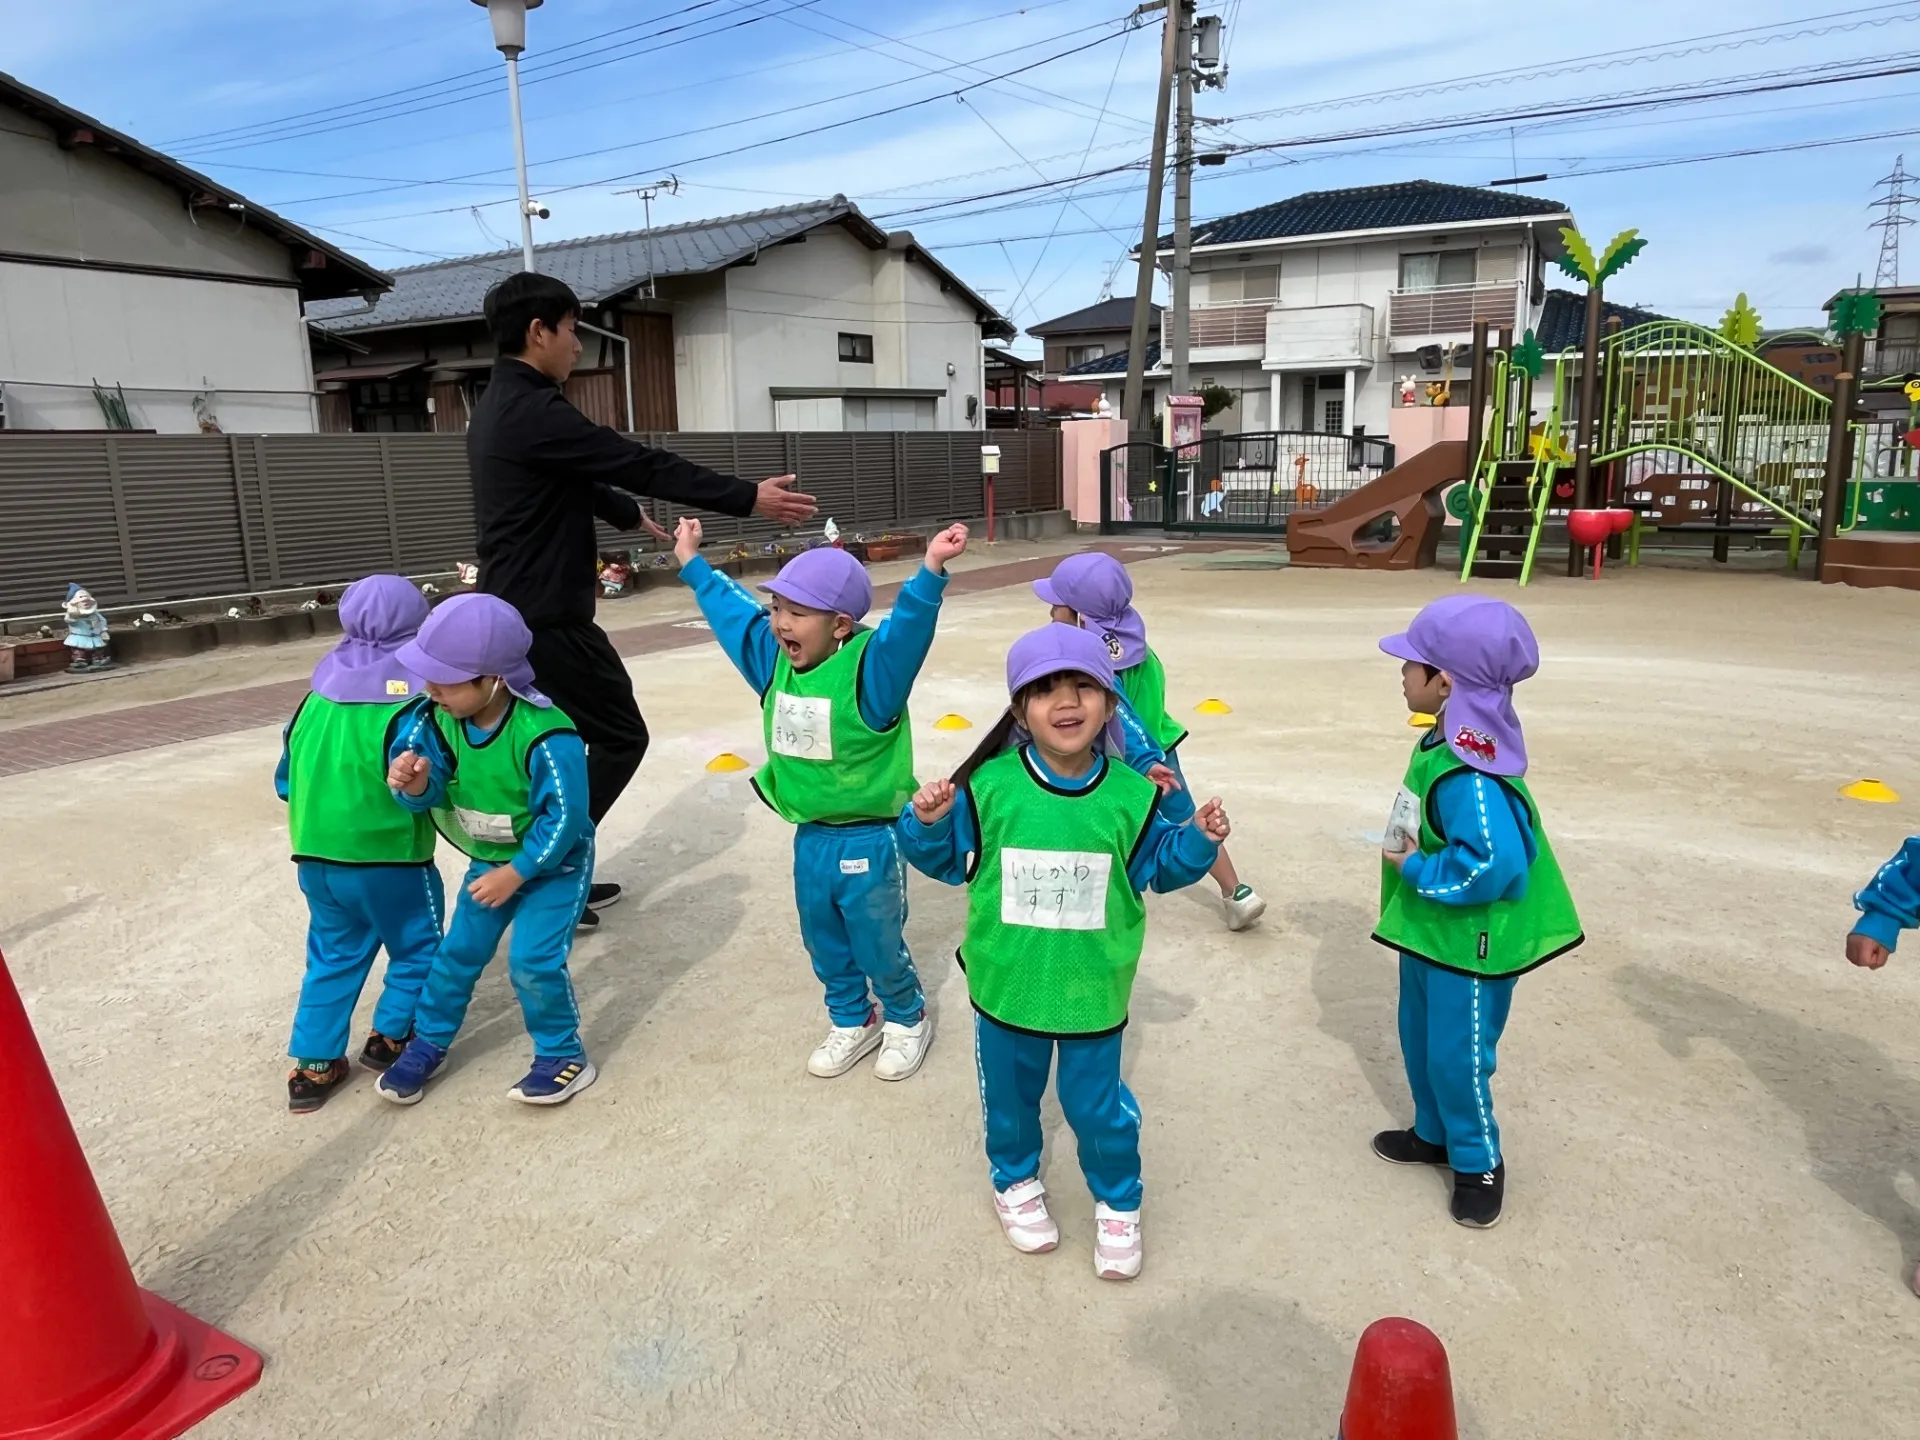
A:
(1452, 309)
(1890, 357)
(1213, 326)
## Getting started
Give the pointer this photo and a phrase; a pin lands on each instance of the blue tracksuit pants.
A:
(851, 887)
(1100, 1109)
(1450, 1027)
(352, 911)
(543, 913)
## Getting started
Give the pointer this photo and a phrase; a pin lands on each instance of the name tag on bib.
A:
(482, 826)
(803, 726)
(1054, 889)
(1403, 822)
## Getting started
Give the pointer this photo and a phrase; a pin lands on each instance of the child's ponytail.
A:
(997, 740)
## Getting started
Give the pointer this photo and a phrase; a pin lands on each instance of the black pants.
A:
(577, 667)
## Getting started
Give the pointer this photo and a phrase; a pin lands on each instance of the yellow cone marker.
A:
(1210, 706)
(953, 722)
(727, 760)
(1874, 792)
(1419, 720)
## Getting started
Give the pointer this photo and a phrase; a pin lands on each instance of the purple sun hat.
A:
(1053, 649)
(379, 615)
(1487, 647)
(1098, 587)
(470, 636)
(825, 579)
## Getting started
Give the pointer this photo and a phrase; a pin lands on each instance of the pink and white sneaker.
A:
(1116, 1242)
(1022, 1209)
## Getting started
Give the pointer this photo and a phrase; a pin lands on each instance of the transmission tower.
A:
(1894, 204)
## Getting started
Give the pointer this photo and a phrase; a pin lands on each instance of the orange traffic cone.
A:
(1401, 1388)
(85, 1354)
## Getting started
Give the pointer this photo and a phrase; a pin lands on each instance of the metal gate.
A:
(1241, 483)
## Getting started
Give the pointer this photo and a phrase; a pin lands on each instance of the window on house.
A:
(856, 348)
(1080, 354)
(391, 405)
(1437, 268)
(1251, 282)
(1333, 414)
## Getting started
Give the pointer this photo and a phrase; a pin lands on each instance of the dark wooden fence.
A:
(148, 518)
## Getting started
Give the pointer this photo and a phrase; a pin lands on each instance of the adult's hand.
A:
(653, 527)
(779, 502)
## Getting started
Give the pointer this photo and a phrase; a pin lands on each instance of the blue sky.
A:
(274, 101)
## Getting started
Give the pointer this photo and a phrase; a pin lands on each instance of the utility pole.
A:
(1130, 400)
(1181, 22)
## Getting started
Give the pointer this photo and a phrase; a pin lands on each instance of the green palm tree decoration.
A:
(1741, 323)
(1527, 356)
(1856, 313)
(1577, 258)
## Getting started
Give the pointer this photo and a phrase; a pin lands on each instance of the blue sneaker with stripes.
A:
(406, 1079)
(551, 1081)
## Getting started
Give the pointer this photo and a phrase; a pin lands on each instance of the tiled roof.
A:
(1406, 204)
(599, 267)
(1116, 314)
(1563, 320)
(1114, 363)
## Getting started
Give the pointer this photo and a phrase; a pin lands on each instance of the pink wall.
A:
(1081, 442)
(1412, 428)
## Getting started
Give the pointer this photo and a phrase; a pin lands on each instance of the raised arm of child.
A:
(418, 763)
(1489, 844)
(938, 833)
(739, 621)
(901, 641)
(1889, 904)
(1177, 853)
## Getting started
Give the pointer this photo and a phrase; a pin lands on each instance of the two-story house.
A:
(802, 317)
(1311, 309)
(1891, 355)
(1091, 333)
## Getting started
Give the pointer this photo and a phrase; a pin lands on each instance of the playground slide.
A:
(1392, 523)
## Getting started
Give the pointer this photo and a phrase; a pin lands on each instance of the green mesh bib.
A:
(1145, 686)
(1504, 938)
(338, 806)
(1054, 927)
(488, 811)
(824, 762)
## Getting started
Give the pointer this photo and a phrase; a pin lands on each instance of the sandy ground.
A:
(1712, 1123)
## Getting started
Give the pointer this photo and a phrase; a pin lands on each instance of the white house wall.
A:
(703, 350)
(163, 338)
(785, 314)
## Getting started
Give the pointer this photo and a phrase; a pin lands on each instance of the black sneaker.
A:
(1476, 1198)
(587, 923)
(599, 897)
(380, 1051)
(308, 1089)
(1404, 1147)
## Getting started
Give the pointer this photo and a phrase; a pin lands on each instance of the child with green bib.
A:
(365, 867)
(503, 774)
(833, 702)
(1471, 895)
(1094, 591)
(1056, 840)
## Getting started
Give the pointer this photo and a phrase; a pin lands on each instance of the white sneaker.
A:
(844, 1048)
(1243, 908)
(1022, 1209)
(1116, 1242)
(903, 1048)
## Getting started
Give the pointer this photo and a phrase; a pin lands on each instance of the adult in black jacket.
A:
(542, 472)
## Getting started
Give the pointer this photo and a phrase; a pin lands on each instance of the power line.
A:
(684, 163)
(715, 126)
(533, 75)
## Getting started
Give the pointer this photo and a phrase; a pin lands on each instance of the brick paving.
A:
(170, 722)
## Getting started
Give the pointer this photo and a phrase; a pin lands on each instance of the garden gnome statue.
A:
(86, 632)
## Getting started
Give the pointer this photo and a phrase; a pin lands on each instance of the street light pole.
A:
(509, 19)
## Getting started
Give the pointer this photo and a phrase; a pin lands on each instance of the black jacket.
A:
(542, 471)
